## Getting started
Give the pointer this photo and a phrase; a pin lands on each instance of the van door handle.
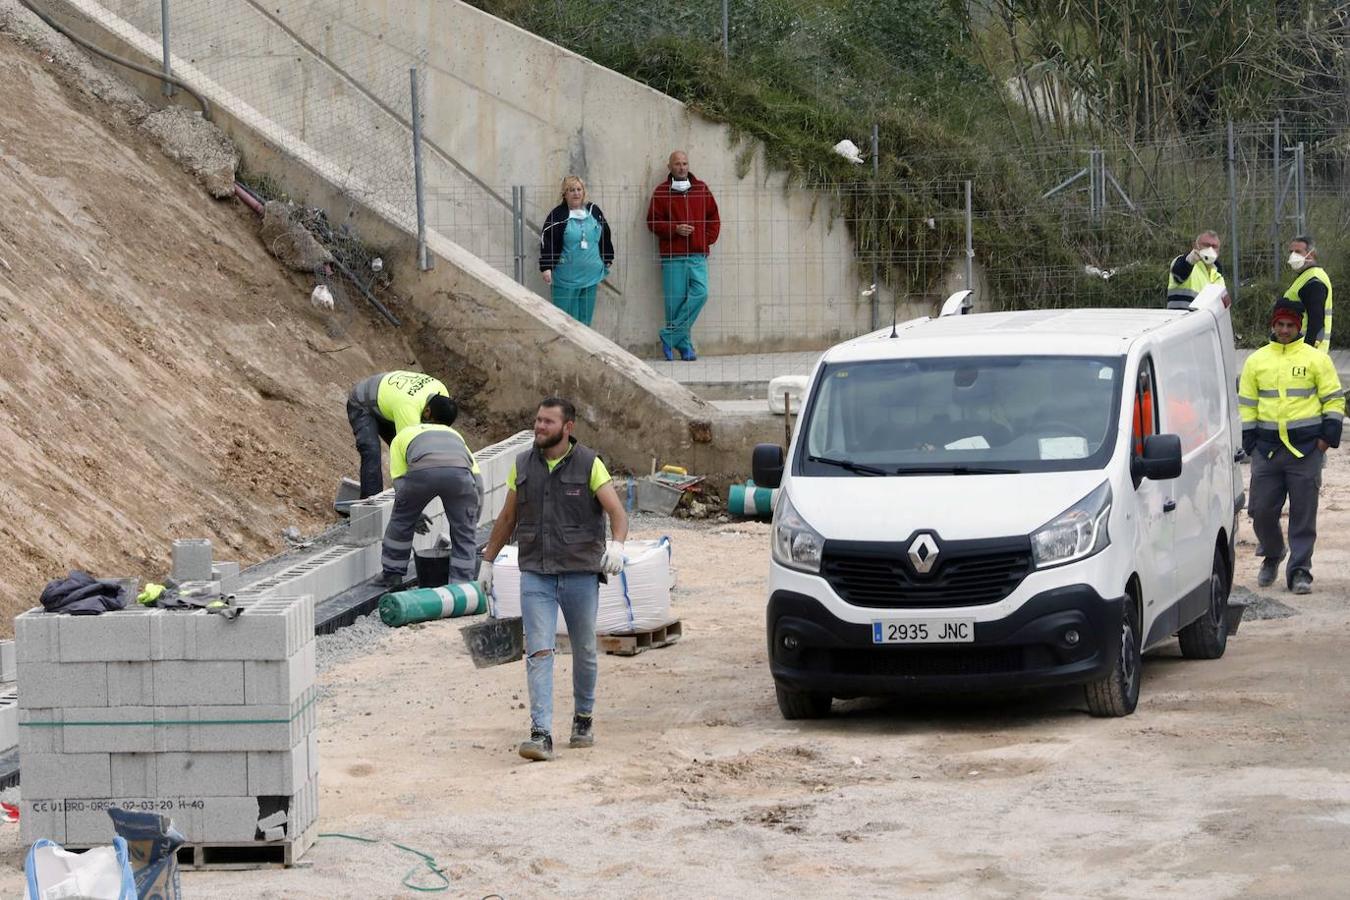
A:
(1169, 504)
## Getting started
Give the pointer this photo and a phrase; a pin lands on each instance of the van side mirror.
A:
(1161, 459)
(767, 465)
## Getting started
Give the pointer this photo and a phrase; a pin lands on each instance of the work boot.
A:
(1301, 582)
(393, 580)
(582, 735)
(1270, 567)
(539, 747)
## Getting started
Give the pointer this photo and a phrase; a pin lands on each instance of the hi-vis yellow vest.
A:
(1322, 340)
(1202, 276)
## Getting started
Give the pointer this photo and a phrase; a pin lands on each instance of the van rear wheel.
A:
(801, 704)
(1118, 693)
(1207, 636)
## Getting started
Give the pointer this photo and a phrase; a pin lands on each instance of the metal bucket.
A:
(494, 642)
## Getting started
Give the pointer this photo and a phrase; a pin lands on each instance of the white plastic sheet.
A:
(637, 600)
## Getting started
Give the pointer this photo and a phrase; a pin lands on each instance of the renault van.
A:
(997, 500)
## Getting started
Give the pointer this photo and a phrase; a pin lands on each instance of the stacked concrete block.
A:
(494, 463)
(9, 700)
(208, 720)
(192, 560)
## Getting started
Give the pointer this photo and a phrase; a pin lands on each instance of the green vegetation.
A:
(939, 79)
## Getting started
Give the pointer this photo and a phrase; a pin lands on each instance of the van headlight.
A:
(1076, 533)
(795, 544)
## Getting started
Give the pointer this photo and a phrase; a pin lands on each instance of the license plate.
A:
(924, 631)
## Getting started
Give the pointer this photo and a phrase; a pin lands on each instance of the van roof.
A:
(1053, 332)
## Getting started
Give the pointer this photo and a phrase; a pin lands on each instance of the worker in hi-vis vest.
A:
(1190, 274)
(1312, 288)
(1293, 408)
(381, 406)
(426, 461)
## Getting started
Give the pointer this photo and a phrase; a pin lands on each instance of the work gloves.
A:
(1193, 257)
(612, 562)
(485, 576)
(423, 524)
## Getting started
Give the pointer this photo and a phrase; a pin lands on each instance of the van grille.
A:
(968, 573)
(930, 662)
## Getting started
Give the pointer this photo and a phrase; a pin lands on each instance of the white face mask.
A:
(1297, 261)
(576, 213)
(678, 185)
(1209, 255)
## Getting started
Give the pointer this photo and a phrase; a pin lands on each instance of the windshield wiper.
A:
(953, 470)
(860, 468)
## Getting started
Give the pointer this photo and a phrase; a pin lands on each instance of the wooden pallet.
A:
(634, 643)
(242, 854)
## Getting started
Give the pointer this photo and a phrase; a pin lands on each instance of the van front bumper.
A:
(811, 650)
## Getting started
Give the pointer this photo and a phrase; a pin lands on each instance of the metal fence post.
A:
(1300, 201)
(726, 29)
(970, 240)
(1092, 186)
(423, 258)
(876, 231)
(518, 232)
(164, 41)
(1233, 213)
(1275, 218)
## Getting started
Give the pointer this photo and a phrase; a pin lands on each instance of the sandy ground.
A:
(1229, 780)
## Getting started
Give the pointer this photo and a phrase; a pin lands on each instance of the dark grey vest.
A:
(560, 526)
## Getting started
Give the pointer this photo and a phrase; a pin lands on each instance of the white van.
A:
(1012, 499)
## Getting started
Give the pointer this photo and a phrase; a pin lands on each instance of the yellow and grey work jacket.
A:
(1312, 288)
(429, 445)
(1181, 291)
(1290, 395)
(397, 397)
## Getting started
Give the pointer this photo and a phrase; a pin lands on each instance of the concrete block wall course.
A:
(106, 729)
(192, 560)
(52, 684)
(41, 819)
(183, 682)
(200, 819)
(67, 775)
(364, 525)
(280, 681)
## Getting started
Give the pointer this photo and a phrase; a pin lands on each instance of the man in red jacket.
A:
(683, 215)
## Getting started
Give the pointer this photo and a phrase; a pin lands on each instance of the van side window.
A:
(1145, 406)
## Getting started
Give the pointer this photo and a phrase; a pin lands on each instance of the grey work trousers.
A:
(461, 499)
(1277, 475)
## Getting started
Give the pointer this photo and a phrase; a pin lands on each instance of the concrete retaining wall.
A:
(502, 107)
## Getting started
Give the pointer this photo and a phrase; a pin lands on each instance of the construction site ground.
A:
(1229, 780)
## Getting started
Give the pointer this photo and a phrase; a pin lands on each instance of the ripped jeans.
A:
(577, 594)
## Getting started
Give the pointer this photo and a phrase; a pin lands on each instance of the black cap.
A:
(442, 410)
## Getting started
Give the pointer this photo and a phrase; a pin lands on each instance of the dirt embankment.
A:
(161, 375)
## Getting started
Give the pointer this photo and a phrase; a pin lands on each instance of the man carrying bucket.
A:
(426, 461)
(558, 494)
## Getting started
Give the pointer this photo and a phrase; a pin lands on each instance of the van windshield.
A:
(962, 416)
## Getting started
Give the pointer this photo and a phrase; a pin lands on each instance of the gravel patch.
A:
(356, 639)
(1259, 606)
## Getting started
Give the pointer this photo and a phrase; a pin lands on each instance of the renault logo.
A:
(923, 553)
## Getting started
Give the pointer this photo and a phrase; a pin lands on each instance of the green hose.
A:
(428, 861)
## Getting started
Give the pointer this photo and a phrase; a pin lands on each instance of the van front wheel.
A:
(1207, 636)
(1118, 693)
(801, 704)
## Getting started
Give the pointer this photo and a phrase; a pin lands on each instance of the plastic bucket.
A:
(433, 567)
(494, 642)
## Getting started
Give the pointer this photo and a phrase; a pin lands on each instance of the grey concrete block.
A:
(133, 774)
(264, 630)
(47, 685)
(129, 683)
(66, 774)
(278, 773)
(365, 525)
(274, 834)
(121, 635)
(36, 638)
(200, 819)
(192, 560)
(313, 755)
(280, 681)
(180, 774)
(9, 658)
(222, 570)
(9, 722)
(42, 819)
(191, 682)
(273, 820)
(38, 733)
(107, 729)
(233, 728)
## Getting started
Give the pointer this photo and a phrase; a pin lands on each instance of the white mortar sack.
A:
(637, 600)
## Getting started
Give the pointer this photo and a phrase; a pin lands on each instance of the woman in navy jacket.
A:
(576, 250)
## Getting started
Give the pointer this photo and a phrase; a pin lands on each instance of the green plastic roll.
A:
(750, 500)
(425, 604)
